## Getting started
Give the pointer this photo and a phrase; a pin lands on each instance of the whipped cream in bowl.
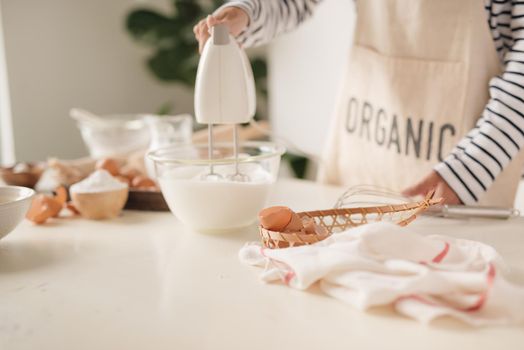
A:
(208, 195)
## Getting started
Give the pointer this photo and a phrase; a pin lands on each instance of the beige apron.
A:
(416, 83)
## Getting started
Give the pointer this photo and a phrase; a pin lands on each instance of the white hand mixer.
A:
(224, 91)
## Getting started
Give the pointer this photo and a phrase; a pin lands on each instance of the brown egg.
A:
(61, 195)
(295, 224)
(108, 164)
(38, 212)
(123, 179)
(311, 227)
(55, 206)
(275, 218)
(42, 208)
(71, 207)
(129, 172)
(320, 230)
(142, 182)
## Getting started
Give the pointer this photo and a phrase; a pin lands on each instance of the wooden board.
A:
(146, 200)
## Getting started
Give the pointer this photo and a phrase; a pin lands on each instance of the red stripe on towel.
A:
(442, 254)
(484, 295)
(289, 273)
(475, 307)
(289, 276)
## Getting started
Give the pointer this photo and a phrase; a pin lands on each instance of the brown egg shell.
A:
(129, 172)
(309, 225)
(61, 195)
(123, 179)
(295, 225)
(42, 208)
(142, 182)
(108, 164)
(275, 218)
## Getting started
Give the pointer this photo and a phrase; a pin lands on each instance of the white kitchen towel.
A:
(423, 277)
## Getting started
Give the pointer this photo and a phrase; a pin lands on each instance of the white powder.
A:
(99, 181)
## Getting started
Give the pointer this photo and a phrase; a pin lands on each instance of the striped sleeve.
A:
(270, 18)
(487, 149)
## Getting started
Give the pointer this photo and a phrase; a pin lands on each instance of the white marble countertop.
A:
(144, 282)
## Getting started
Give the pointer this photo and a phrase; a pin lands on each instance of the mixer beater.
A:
(224, 93)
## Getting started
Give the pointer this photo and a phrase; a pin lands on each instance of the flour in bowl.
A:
(98, 181)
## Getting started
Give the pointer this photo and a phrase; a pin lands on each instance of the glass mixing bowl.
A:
(114, 135)
(209, 196)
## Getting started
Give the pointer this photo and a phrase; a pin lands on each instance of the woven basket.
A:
(337, 220)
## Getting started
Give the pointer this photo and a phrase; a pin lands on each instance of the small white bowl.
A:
(14, 204)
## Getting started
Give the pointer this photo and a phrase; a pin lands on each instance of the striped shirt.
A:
(477, 160)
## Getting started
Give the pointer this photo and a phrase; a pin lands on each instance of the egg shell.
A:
(42, 208)
(275, 218)
(295, 224)
(71, 207)
(108, 164)
(142, 181)
(123, 179)
(129, 172)
(61, 195)
(56, 206)
(309, 225)
(320, 230)
(312, 228)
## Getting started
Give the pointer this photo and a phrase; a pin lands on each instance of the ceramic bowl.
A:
(14, 204)
(22, 174)
(100, 205)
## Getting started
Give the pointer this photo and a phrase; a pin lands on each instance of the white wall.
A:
(6, 122)
(75, 53)
(305, 71)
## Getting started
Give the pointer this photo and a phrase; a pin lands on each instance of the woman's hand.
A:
(235, 18)
(436, 182)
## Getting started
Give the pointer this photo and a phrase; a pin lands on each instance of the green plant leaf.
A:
(298, 164)
(188, 10)
(165, 109)
(153, 28)
(259, 67)
(177, 64)
(218, 3)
